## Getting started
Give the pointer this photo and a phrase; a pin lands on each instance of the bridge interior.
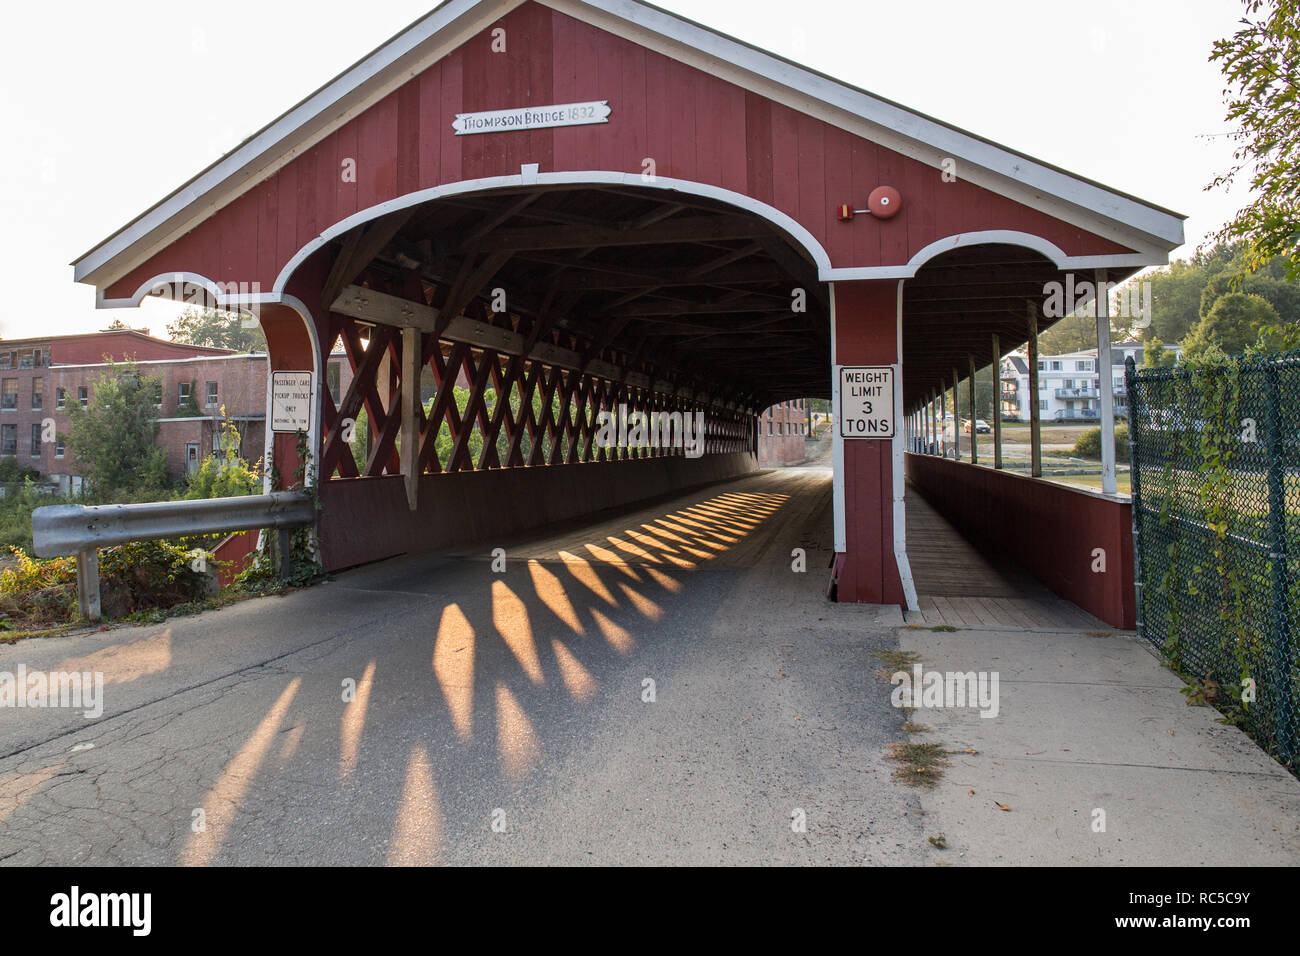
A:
(960, 300)
(570, 301)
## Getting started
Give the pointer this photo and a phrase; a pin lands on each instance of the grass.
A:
(1123, 485)
(893, 661)
(1048, 434)
(919, 764)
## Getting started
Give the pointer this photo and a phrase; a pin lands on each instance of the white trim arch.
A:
(247, 303)
(1004, 237)
(529, 176)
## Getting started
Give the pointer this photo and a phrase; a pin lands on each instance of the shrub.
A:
(134, 577)
(1089, 444)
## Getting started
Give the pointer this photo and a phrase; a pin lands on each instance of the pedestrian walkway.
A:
(1093, 756)
(958, 585)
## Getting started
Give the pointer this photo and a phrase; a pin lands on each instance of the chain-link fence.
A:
(1216, 521)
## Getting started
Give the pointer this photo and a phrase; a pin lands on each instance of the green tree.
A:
(224, 474)
(216, 329)
(115, 436)
(1261, 63)
(1176, 300)
(1234, 324)
(1268, 282)
(1156, 355)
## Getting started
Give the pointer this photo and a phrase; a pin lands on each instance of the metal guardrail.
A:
(60, 531)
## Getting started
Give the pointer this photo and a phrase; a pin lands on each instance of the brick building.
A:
(782, 433)
(41, 377)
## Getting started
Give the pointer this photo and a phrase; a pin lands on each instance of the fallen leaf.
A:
(970, 750)
(1003, 806)
(970, 793)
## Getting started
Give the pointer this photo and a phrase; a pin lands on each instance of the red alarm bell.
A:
(884, 202)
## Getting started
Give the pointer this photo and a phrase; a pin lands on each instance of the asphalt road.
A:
(497, 718)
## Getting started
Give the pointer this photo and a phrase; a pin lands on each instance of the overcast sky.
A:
(107, 107)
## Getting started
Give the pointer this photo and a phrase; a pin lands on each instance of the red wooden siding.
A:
(1048, 528)
(866, 324)
(693, 125)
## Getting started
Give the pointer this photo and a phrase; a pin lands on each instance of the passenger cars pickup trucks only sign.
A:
(866, 401)
(290, 401)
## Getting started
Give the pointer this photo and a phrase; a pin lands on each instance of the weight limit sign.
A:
(867, 401)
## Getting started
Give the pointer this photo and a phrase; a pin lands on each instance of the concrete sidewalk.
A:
(1089, 723)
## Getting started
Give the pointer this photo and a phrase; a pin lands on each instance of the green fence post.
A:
(1135, 487)
(1281, 635)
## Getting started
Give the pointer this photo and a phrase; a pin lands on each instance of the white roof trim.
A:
(1151, 231)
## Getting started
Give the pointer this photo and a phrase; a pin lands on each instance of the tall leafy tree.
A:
(114, 437)
(1261, 63)
(216, 329)
(1237, 322)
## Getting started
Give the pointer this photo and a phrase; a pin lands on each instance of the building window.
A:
(1042, 366)
(83, 395)
(1084, 365)
(58, 448)
(36, 357)
(8, 439)
(1042, 404)
(60, 398)
(212, 395)
(183, 394)
(157, 394)
(1056, 366)
(36, 441)
(9, 402)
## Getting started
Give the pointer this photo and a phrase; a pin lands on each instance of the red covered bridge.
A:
(588, 205)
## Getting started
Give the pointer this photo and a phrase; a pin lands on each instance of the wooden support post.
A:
(974, 442)
(412, 353)
(1105, 386)
(956, 416)
(943, 419)
(933, 433)
(88, 584)
(1035, 429)
(997, 402)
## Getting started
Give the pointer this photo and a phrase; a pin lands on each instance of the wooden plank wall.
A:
(692, 124)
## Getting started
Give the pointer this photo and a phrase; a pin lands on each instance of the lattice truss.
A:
(615, 304)
(490, 409)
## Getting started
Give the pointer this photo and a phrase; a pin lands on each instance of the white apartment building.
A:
(1069, 387)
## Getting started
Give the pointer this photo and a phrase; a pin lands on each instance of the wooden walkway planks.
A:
(959, 586)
